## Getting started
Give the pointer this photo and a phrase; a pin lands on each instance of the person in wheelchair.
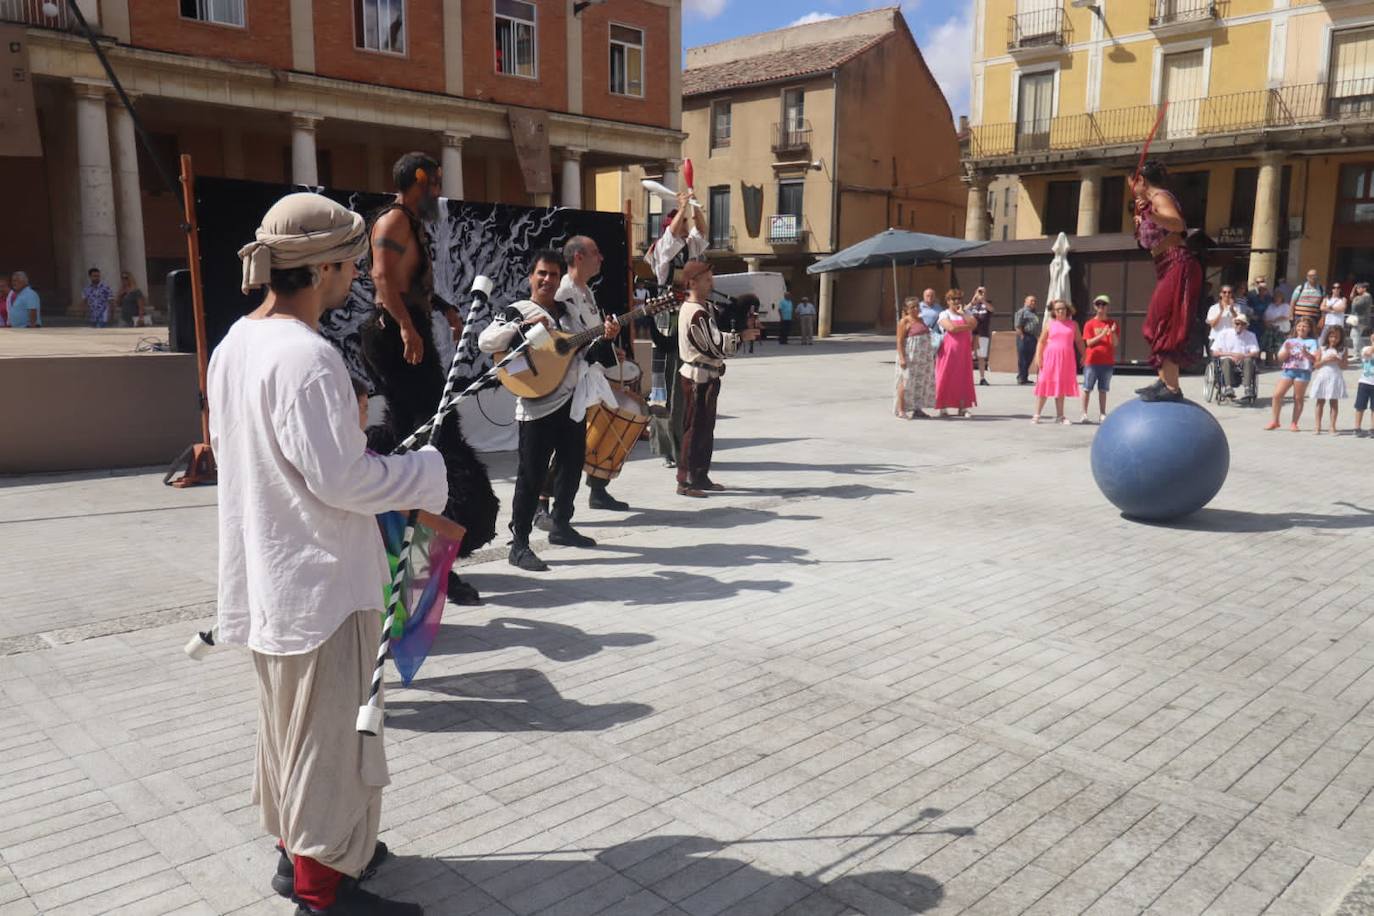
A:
(1232, 347)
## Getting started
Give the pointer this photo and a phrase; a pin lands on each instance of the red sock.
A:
(316, 884)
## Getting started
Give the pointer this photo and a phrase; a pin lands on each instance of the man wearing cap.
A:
(1100, 335)
(702, 348)
(301, 565)
(1233, 345)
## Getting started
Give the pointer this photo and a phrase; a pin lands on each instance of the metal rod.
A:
(188, 184)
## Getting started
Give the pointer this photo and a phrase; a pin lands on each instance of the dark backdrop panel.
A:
(468, 239)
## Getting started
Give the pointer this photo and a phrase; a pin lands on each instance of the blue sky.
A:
(943, 29)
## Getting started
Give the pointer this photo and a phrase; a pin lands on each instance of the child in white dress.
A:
(1328, 380)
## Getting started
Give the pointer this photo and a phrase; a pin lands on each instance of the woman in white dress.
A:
(1328, 379)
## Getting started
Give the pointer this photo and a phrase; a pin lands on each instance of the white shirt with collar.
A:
(660, 256)
(585, 383)
(299, 548)
(1229, 340)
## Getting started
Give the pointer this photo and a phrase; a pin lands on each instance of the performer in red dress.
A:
(1160, 229)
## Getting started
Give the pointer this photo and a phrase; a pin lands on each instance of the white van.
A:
(768, 286)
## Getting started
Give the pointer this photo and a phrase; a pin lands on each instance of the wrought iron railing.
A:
(792, 136)
(1310, 104)
(1173, 12)
(32, 12)
(1037, 29)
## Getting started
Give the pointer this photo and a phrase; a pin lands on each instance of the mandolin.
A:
(539, 371)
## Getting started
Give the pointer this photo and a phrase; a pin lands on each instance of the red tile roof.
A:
(806, 60)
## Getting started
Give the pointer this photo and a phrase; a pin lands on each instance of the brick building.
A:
(318, 92)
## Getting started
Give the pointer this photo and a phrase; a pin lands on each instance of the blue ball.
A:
(1162, 460)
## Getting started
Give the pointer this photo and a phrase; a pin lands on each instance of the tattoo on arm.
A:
(390, 245)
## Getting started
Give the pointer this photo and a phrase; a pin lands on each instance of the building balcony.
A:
(1041, 33)
(722, 241)
(785, 229)
(1205, 122)
(792, 139)
(1175, 17)
(31, 12)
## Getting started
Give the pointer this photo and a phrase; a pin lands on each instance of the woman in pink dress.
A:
(1057, 376)
(954, 363)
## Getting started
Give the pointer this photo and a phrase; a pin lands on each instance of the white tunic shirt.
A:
(585, 383)
(299, 548)
(660, 256)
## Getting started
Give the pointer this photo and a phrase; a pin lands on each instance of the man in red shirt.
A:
(1100, 335)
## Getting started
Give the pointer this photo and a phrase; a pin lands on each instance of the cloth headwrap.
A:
(302, 230)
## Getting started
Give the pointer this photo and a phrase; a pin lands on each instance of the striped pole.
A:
(370, 713)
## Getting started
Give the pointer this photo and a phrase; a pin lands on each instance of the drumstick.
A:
(662, 191)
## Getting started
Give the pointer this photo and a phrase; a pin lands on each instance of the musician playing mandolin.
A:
(552, 425)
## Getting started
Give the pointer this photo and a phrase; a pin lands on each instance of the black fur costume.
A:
(412, 395)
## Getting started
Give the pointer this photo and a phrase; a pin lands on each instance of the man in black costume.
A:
(398, 345)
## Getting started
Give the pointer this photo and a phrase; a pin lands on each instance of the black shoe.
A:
(354, 901)
(520, 555)
(598, 498)
(982, 381)
(567, 536)
(542, 520)
(1154, 387)
(460, 592)
(1164, 394)
(284, 881)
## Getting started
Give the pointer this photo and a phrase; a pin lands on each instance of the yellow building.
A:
(1269, 131)
(808, 139)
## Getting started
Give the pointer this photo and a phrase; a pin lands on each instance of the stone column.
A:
(1089, 194)
(451, 161)
(1264, 232)
(98, 245)
(378, 175)
(304, 166)
(572, 177)
(826, 307)
(128, 195)
(232, 140)
(753, 265)
(976, 218)
(670, 167)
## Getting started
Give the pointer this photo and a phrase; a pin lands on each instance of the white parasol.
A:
(1059, 275)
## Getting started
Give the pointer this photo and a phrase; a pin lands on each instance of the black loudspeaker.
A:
(181, 319)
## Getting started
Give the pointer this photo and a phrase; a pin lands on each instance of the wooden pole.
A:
(188, 185)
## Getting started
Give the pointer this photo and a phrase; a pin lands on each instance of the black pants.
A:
(784, 328)
(698, 430)
(1025, 355)
(554, 436)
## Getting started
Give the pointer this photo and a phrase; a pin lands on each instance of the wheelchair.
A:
(1214, 385)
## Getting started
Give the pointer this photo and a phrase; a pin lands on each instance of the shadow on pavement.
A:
(555, 641)
(663, 587)
(712, 517)
(722, 555)
(1240, 522)
(641, 875)
(727, 442)
(860, 469)
(514, 700)
(842, 491)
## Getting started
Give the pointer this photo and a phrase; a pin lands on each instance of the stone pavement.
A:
(903, 667)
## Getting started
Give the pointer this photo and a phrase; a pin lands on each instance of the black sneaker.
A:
(461, 593)
(521, 556)
(599, 498)
(1154, 387)
(567, 536)
(354, 901)
(542, 519)
(982, 381)
(1165, 393)
(284, 881)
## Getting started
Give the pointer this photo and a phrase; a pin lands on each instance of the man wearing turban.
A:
(301, 564)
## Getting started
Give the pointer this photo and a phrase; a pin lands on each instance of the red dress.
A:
(1169, 321)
